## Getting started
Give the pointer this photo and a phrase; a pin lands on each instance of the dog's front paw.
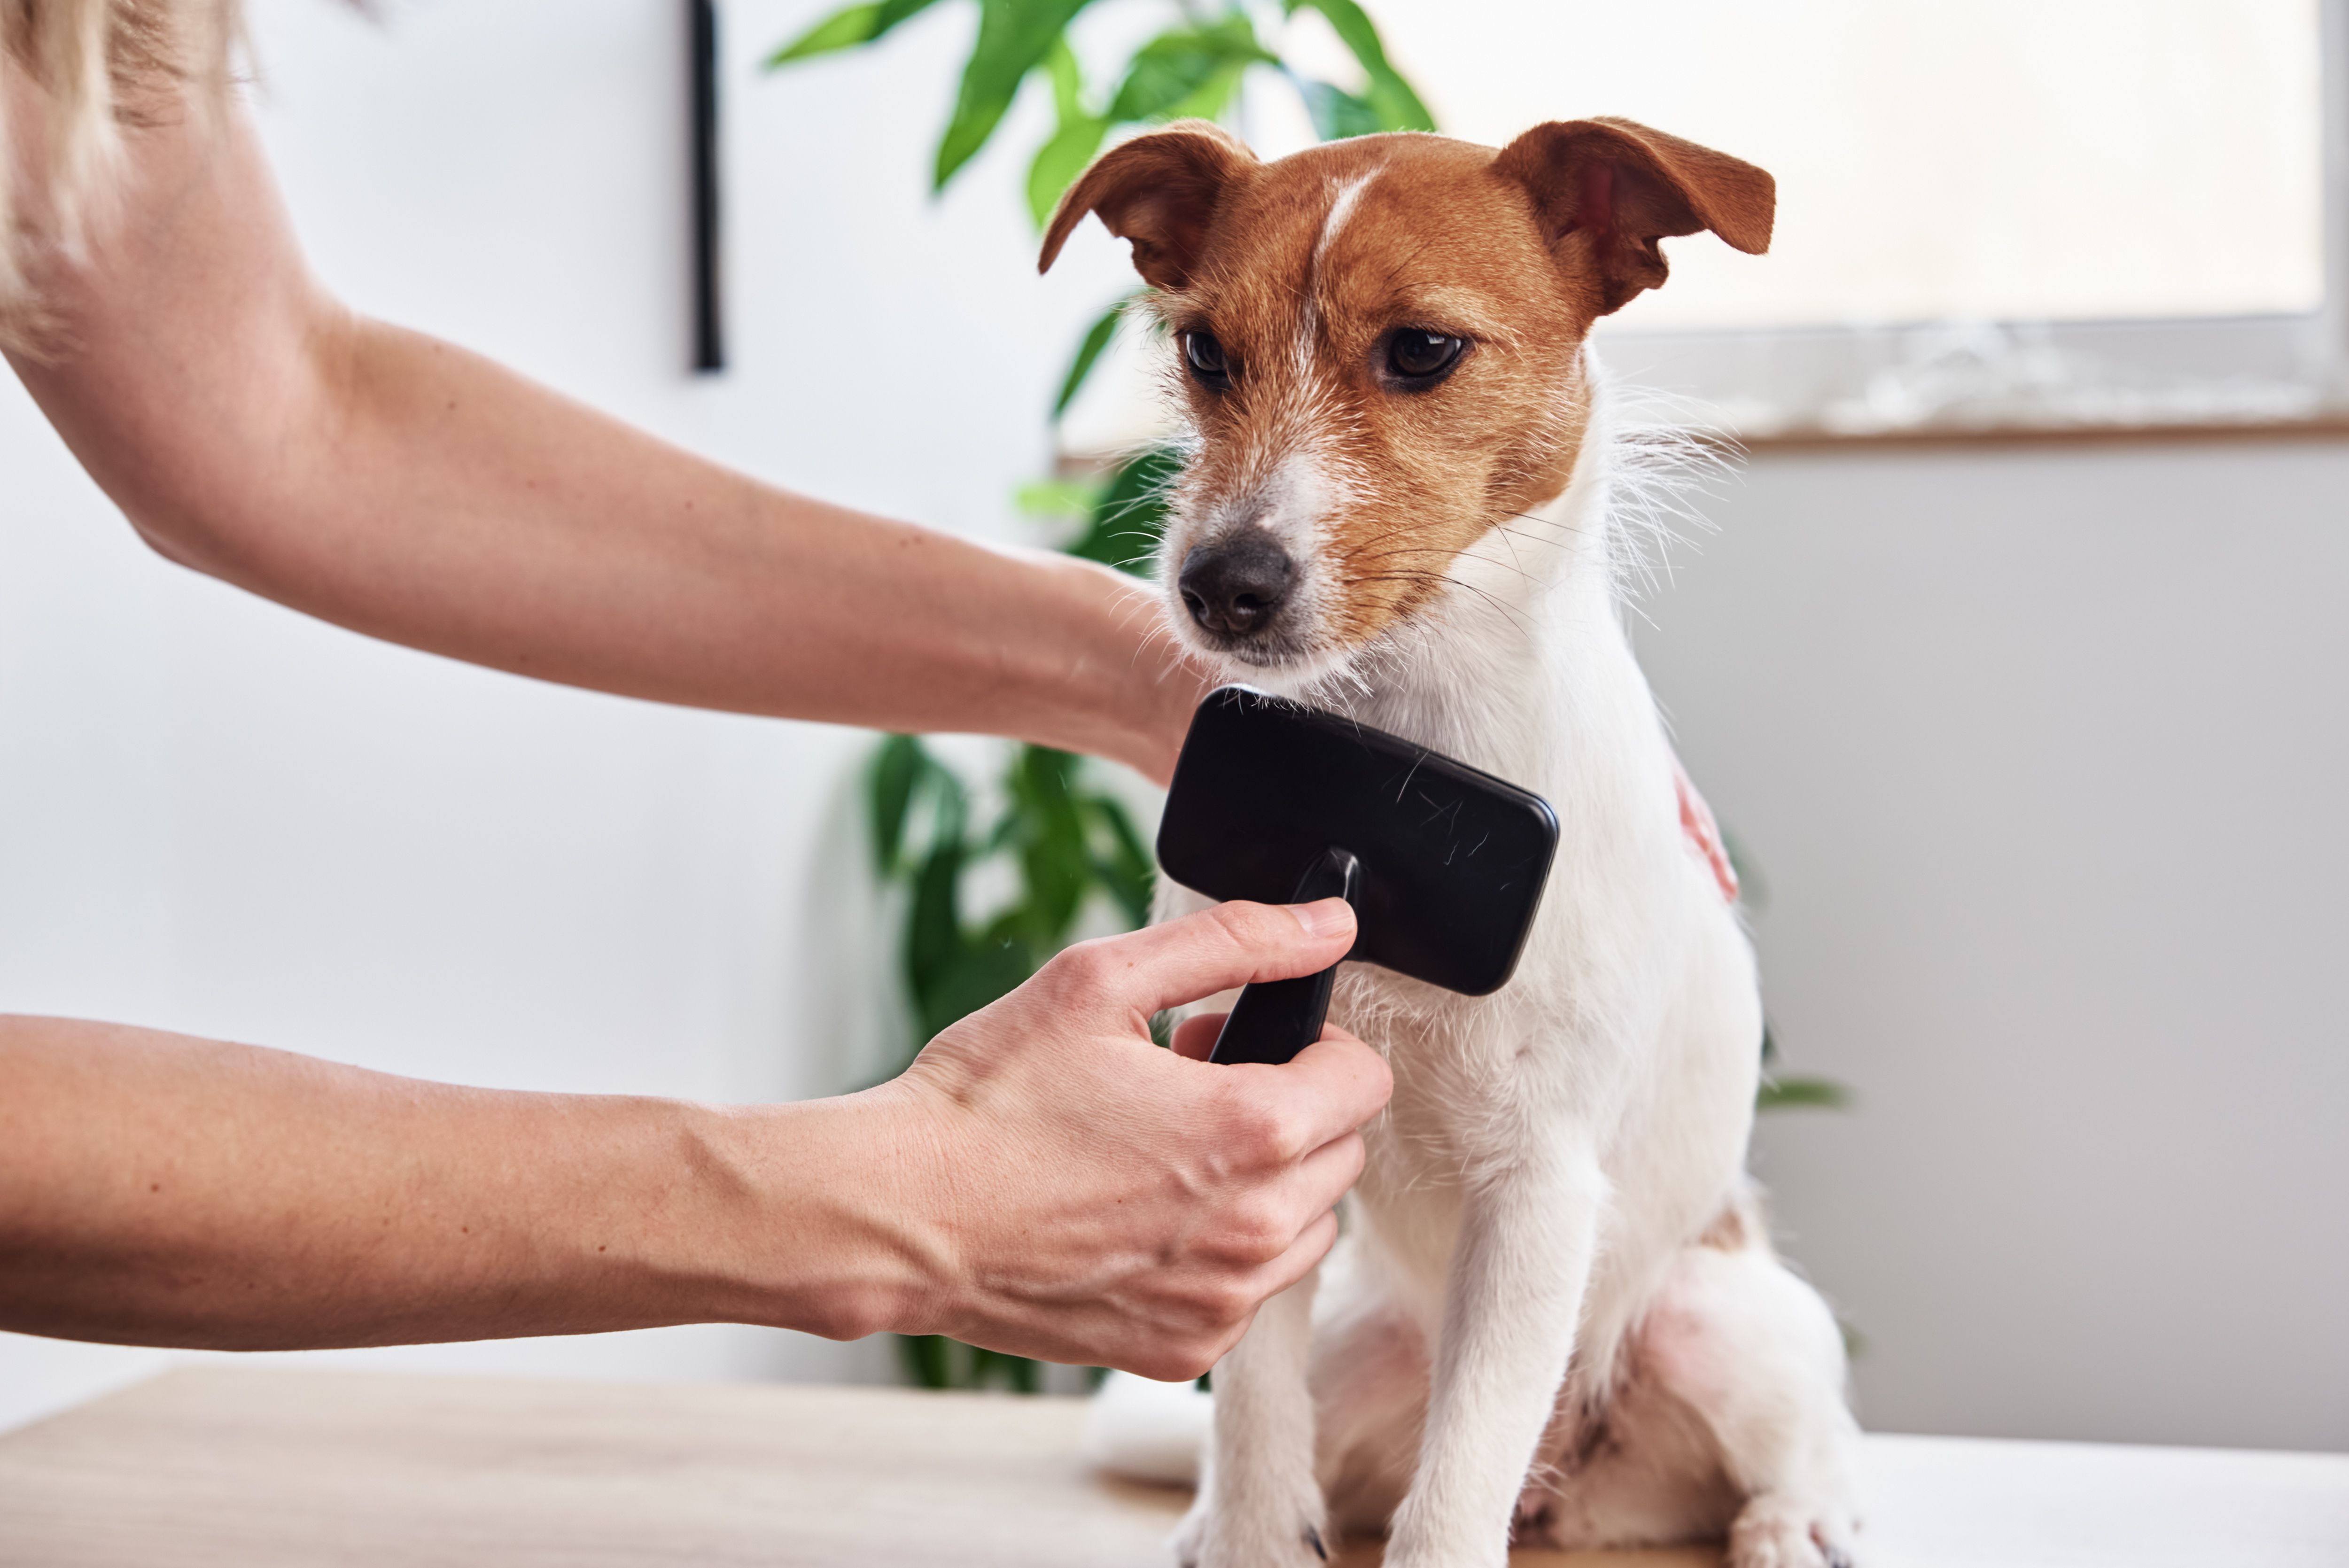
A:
(1210, 1537)
(1773, 1530)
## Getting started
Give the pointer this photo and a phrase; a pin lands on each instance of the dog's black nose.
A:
(1236, 588)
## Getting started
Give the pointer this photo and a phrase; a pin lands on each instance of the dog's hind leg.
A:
(1260, 1505)
(1752, 1350)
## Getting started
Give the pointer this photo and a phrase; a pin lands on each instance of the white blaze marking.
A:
(1341, 208)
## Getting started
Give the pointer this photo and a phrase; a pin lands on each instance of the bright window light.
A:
(2005, 159)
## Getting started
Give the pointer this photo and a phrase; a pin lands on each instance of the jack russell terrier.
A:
(1556, 1316)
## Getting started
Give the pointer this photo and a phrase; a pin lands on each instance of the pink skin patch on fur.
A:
(1704, 832)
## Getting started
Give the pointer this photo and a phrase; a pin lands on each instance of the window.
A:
(1999, 160)
(2000, 213)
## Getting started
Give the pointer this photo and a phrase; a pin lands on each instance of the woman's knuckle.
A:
(1244, 1233)
(1293, 1132)
(1185, 1361)
(1232, 1300)
(1080, 973)
(1210, 1307)
(1354, 1154)
(1232, 919)
(1257, 1231)
(1279, 1134)
(1259, 1131)
(1242, 925)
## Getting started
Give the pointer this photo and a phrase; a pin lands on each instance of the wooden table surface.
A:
(268, 1469)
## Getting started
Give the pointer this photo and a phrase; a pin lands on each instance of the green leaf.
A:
(846, 28)
(896, 767)
(1792, 1093)
(1098, 337)
(1056, 860)
(1212, 97)
(1058, 162)
(935, 943)
(1021, 1372)
(1068, 79)
(1059, 500)
(1390, 97)
(986, 971)
(924, 1356)
(1072, 144)
(991, 1369)
(1005, 834)
(1337, 113)
(934, 1361)
(1397, 106)
(895, 11)
(1171, 70)
(1127, 869)
(1132, 515)
(1014, 36)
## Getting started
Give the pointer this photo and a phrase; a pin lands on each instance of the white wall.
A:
(2042, 755)
(2038, 751)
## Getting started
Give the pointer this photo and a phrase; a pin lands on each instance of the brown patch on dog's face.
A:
(1381, 344)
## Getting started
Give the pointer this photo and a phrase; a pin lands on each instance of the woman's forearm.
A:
(464, 509)
(1045, 1180)
(159, 1190)
(254, 429)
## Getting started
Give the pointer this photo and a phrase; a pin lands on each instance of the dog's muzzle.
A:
(1234, 589)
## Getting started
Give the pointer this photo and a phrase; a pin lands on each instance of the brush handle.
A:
(1275, 1019)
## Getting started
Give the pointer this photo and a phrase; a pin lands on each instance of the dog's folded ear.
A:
(1623, 186)
(1160, 191)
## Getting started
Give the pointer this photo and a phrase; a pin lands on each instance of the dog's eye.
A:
(1414, 353)
(1207, 358)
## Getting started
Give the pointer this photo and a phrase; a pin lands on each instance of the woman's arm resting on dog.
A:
(1043, 1180)
(254, 429)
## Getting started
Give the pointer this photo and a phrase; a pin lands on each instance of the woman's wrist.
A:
(1133, 690)
(1167, 692)
(820, 1217)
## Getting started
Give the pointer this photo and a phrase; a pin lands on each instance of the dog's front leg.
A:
(1260, 1505)
(1518, 1274)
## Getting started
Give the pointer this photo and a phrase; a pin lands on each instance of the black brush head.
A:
(1452, 860)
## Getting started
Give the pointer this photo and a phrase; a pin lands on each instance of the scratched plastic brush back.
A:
(1453, 859)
